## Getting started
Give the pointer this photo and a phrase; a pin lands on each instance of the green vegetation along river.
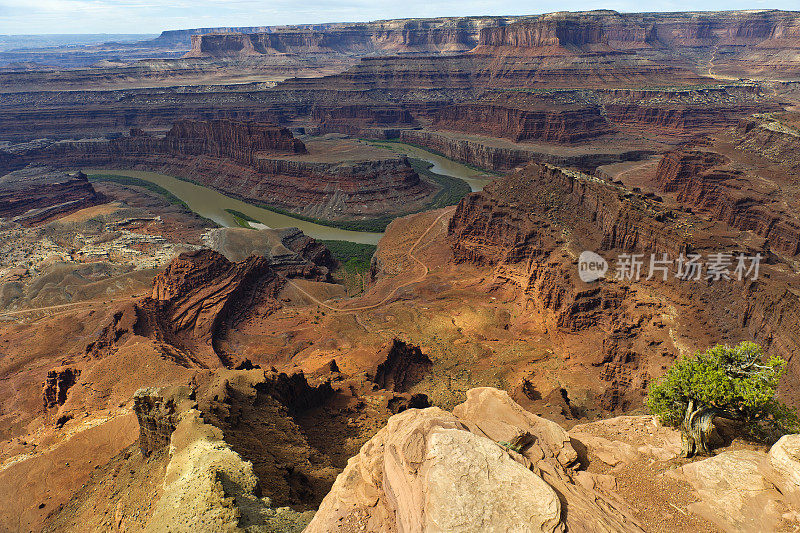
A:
(476, 178)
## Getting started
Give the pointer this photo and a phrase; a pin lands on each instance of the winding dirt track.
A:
(391, 295)
(63, 307)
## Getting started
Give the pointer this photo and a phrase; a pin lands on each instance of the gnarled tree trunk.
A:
(696, 430)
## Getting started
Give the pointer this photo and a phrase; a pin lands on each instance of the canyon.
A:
(258, 162)
(161, 372)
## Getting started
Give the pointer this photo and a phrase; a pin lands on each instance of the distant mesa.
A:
(438, 35)
(39, 193)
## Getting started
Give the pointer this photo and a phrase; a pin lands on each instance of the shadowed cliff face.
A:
(240, 141)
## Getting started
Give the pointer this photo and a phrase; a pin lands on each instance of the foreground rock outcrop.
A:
(490, 465)
(744, 490)
(207, 485)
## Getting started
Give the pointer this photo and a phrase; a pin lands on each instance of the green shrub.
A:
(353, 256)
(737, 383)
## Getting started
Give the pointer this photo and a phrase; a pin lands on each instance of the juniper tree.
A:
(737, 383)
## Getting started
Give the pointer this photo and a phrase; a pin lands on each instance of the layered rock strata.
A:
(704, 179)
(603, 31)
(487, 154)
(529, 229)
(524, 118)
(202, 295)
(444, 35)
(36, 194)
(770, 139)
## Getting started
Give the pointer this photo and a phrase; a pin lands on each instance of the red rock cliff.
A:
(240, 141)
(529, 228)
(405, 35)
(704, 180)
(522, 118)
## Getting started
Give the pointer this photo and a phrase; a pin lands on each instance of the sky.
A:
(154, 16)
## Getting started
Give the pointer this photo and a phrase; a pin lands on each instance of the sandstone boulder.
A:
(733, 492)
(784, 460)
(501, 419)
(426, 472)
(644, 439)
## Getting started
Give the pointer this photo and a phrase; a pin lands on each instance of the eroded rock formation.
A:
(158, 411)
(57, 384)
(207, 483)
(530, 226)
(201, 295)
(703, 179)
(35, 194)
(418, 35)
(523, 118)
(405, 366)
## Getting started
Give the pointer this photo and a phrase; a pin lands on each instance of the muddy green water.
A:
(441, 165)
(212, 204)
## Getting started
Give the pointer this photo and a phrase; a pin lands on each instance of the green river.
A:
(212, 204)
